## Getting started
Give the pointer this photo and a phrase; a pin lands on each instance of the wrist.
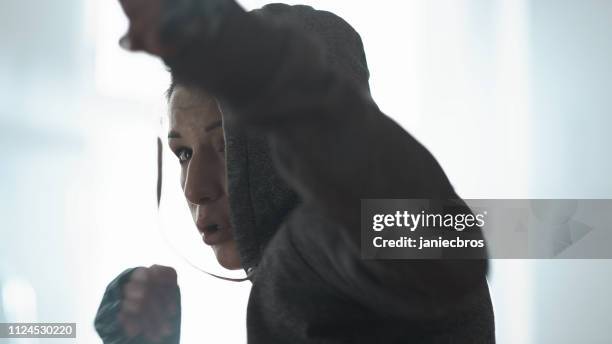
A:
(185, 23)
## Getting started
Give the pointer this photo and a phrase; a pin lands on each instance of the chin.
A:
(227, 256)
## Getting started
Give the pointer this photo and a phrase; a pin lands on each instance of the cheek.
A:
(193, 210)
(192, 207)
(182, 180)
(227, 255)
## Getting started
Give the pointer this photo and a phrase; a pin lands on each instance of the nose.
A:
(203, 181)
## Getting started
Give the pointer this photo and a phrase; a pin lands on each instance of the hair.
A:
(172, 86)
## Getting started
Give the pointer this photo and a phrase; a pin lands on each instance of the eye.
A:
(183, 155)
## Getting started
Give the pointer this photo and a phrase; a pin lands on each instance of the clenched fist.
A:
(150, 303)
(141, 306)
(144, 25)
(164, 27)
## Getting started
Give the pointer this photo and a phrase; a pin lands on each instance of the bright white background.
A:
(512, 97)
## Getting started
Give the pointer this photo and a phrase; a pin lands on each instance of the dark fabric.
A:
(259, 198)
(106, 322)
(341, 45)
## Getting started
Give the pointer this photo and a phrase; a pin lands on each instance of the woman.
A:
(148, 297)
(196, 138)
(292, 84)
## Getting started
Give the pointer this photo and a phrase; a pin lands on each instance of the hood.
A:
(259, 198)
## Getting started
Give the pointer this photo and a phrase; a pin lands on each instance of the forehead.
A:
(192, 108)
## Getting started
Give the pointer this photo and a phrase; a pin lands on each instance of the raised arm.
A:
(331, 142)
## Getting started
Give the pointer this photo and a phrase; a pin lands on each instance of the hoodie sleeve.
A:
(330, 140)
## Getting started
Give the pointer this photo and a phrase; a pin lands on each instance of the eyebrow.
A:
(173, 134)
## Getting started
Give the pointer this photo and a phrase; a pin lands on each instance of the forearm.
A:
(230, 53)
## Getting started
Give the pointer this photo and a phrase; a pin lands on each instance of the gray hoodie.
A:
(306, 142)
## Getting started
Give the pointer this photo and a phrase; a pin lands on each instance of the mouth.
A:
(213, 233)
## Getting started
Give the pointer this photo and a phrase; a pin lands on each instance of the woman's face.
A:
(196, 138)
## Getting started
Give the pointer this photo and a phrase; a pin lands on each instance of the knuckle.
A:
(140, 275)
(131, 306)
(135, 292)
(164, 274)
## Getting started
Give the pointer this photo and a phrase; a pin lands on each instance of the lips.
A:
(213, 233)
